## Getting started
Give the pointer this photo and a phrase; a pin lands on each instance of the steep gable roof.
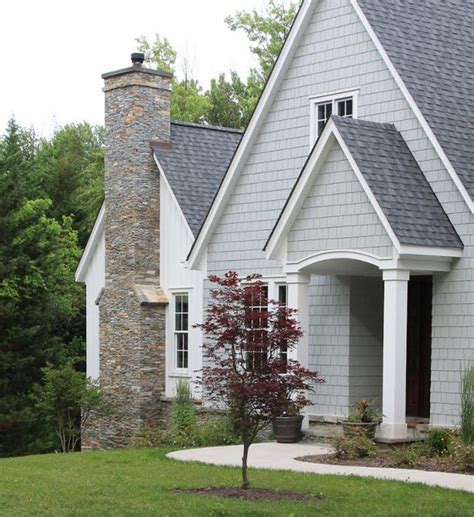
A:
(431, 44)
(195, 164)
(397, 182)
(391, 177)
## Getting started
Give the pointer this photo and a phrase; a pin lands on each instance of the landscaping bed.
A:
(443, 451)
(393, 458)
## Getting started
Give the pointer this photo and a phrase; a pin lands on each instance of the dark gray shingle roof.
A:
(195, 166)
(400, 187)
(431, 44)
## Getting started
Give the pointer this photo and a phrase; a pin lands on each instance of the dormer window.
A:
(340, 103)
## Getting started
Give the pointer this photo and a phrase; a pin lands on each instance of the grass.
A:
(140, 482)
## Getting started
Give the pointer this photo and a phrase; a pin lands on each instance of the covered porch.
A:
(381, 318)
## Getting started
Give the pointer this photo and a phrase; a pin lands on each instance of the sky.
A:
(53, 52)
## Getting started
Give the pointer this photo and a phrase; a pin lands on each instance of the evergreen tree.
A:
(40, 302)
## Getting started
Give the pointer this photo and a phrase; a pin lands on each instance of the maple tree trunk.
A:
(245, 479)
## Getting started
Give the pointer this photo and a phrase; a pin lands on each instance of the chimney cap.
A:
(138, 58)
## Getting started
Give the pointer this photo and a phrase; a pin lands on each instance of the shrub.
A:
(67, 399)
(408, 456)
(183, 417)
(364, 413)
(354, 447)
(218, 430)
(463, 456)
(467, 406)
(438, 441)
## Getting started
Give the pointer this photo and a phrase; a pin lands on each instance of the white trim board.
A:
(91, 245)
(301, 21)
(416, 110)
(304, 184)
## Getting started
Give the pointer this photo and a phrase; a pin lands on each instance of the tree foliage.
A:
(248, 342)
(66, 399)
(230, 100)
(266, 31)
(41, 305)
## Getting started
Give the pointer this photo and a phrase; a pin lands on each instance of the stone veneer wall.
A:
(132, 336)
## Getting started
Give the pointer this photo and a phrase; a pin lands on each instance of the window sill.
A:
(181, 373)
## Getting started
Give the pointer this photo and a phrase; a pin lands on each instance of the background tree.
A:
(69, 170)
(227, 102)
(266, 31)
(244, 334)
(40, 303)
(66, 399)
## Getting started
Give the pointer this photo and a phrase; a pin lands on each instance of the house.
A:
(352, 193)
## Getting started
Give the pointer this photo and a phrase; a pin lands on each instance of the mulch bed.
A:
(251, 494)
(384, 458)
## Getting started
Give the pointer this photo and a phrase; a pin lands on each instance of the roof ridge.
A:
(363, 122)
(206, 126)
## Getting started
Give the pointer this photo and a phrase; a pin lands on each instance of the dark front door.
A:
(420, 291)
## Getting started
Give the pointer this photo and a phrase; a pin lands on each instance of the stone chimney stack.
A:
(132, 311)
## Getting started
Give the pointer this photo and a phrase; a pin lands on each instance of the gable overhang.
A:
(277, 239)
(413, 105)
(268, 94)
(91, 246)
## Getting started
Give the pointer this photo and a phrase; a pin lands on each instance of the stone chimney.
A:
(132, 310)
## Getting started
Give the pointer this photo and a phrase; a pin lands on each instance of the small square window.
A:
(344, 108)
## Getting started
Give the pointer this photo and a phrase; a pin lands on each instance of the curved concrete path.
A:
(278, 456)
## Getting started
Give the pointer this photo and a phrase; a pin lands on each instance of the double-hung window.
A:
(343, 104)
(258, 324)
(181, 330)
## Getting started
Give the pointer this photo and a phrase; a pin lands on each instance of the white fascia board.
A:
(416, 110)
(302, 19)
(300, 192)
(411, 250)
(306, 180)
(168, 186)
(91, 246)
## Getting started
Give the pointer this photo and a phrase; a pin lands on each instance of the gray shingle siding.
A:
(336, 53)
(195, 165)
(337, 214)
(431, 44)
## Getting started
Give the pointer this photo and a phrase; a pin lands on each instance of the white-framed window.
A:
(342, 103)
(282, 298)
(181, 330)
(277, 291)
(258, 326)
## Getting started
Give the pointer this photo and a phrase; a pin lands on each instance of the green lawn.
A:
(141, 483)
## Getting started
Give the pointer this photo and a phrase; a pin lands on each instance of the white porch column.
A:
(394, 354)
(298, 299)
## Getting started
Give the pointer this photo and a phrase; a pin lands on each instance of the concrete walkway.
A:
(277, 456)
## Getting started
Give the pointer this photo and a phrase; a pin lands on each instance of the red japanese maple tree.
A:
(246, 348)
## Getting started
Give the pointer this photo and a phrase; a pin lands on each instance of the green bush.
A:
(354, 447)
(408, 456)
(463, 455)
(467, 407)
(218, 430)
(184, 428)
(438, 441)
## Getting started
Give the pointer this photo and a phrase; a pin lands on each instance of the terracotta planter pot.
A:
(287, 429)
(352, 429)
